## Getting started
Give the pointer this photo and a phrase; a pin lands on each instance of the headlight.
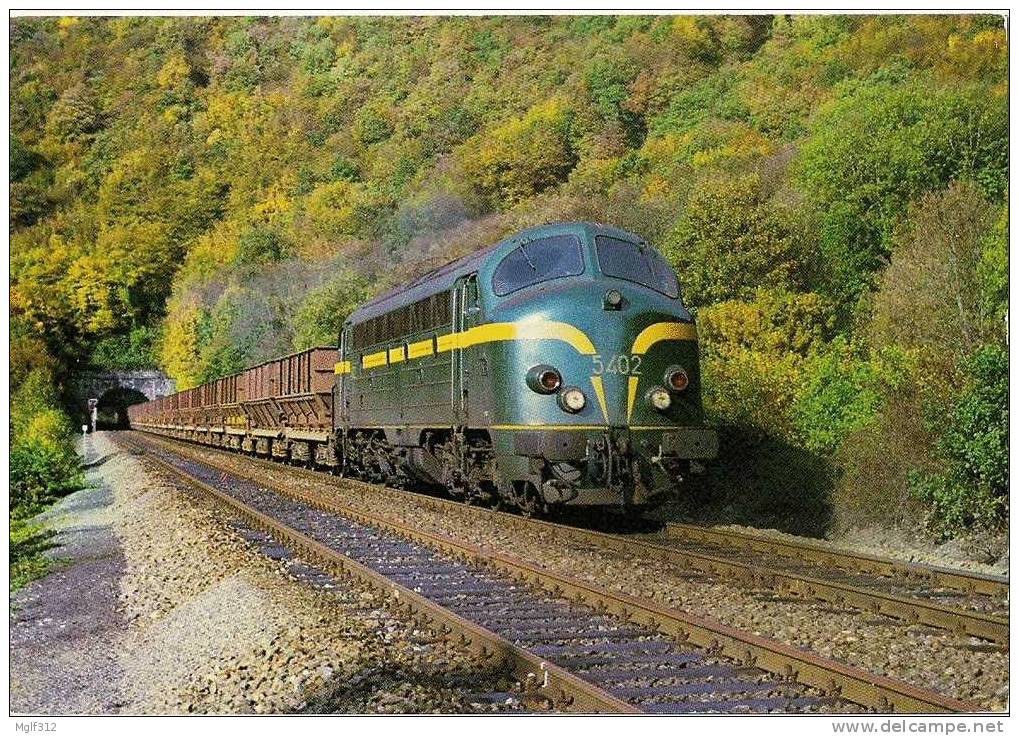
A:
(572, 399)
(659, 398)
(677, 379)
(544, 379)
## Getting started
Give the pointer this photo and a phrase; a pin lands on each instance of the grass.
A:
(28, 542)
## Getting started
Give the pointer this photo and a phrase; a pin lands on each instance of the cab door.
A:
(466, 315)
(341, 389)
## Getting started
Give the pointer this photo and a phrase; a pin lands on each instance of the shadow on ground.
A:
(760, 481)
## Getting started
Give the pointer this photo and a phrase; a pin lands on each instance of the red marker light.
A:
(678, 380)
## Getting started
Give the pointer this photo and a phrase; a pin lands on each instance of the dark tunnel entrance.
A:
(111, 411)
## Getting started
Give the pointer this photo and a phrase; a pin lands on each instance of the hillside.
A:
(201, 194)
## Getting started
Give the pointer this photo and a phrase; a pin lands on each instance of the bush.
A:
(75, 115)
(932, 295)
(840, 394)
(884, 144)
(44, 465)
(320, 316)
(753, 357)
(133, 351)
(43, 468)
(372, 125)
(608, 83)
(261, 245)
(732, 241)
(992, 275)
(343, 169)
(972, 491)
(520, 158)
(875, 462)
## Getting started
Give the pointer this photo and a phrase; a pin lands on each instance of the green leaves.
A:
(732, 241)
(134, 351)
(259, 246)
(881, 145)
(973, 448)
(840, 394)
(320, 316)
(43, 464)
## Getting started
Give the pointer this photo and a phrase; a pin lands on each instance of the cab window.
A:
(536, 261)
(623, 259)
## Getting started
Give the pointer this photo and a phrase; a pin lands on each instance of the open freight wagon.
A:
(281, 407)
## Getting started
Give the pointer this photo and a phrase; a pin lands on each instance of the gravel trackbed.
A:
(161, 605)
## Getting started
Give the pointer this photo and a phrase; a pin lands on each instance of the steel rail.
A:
(909, 609)
(846, 681)
(960, 580)
(559, 688)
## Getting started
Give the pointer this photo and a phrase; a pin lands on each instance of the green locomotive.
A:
(558, 366)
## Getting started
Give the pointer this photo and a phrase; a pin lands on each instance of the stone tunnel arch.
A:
(95, 384)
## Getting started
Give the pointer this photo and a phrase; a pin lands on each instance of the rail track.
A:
(584, 647)
(962, 602)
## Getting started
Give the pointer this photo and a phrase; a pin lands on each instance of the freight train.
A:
(556, 367)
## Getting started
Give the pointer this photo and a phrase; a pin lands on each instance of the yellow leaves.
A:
(47, 427)
(127, 186)
(222, 116)
(523, 156)
(664, 149)
(687, 29)
(980, 55)
(277, 203)
(694, 36)
(215, 137)
(179, 351)
(134, 245)
(331, 208)
(775, 322)
(246, 117)
(656, 187)
(745, 145)
(218, 247)
(174, 73)
(710, 144)
(594, 176)
(91, 293)
(65, 24)
(755, 353)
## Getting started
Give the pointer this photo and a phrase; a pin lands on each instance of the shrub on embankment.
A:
(43, 468)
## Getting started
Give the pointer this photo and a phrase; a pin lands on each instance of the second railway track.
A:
(608, 651)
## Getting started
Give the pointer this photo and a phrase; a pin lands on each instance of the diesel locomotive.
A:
(556, 367)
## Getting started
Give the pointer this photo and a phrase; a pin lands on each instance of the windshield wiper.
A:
(527, 257)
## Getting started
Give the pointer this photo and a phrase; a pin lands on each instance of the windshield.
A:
(538, 260)
(643, 265)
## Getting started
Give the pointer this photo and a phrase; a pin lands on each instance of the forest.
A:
(200, 194)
